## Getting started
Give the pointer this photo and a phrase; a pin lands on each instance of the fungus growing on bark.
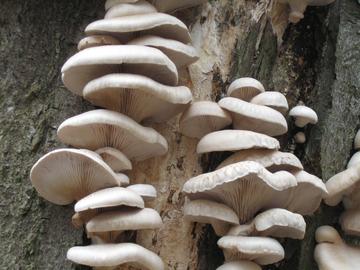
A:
(203, 117)
(258, 118)
(96, 40)
(274, 100)
(138, 97)
(303, 115)
(101, 128)
(147, 192)
(300, 137)
(245, 88)
(333, 253)
(354, 161)
(112, 255)
(129, 9)
(115, 159)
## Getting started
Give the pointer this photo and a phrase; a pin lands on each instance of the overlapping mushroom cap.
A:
(246, 187)
(271, 99)
(147, 192)
(128, 9)
(115, 159)
(303, 115)
(354, 161)
(254, 117)
(95, 62)
(111, 255)
(102, 128)
(203, 117)
(96, 40)
(66, 175)
(137, 96)
(245, 88)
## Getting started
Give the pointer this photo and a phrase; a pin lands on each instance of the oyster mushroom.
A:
(147, 192)
(128, 9)
(300, 137)
(354, 161)
(274, 100)
(96, 40)
(239, 265)
(115, 159)
(303, 115)
(245, 88)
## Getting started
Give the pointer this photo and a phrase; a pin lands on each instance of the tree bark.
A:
(317, 63)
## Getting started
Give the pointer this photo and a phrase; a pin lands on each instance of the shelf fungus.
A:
(203, 117)
(332, 252)
(274, 100)
(147, 192)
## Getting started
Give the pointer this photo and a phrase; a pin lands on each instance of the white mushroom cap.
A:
(102, 128)
(245, 88)
(203, 117)
(357, 140)
(272, 160)
(300, 137)
(108, 255)
(342, 184)
(95, 62)
(110, 3)
(180, 54)
(96, 40)
(123, 179)
(124, 220)
(309, 192)
(65, 175)
(254, 117)
(262, 250)
(354, 161)
(137, 96)
(239, 265)
(235, 140)
(147, 192)
(246, 187)
(274, 100)
(350, 222)
(175, 5)
(303, 115)
(128, 27)
(218, 215)
(115, 159)
(128, 9)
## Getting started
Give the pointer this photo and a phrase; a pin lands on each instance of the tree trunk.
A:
(317, 63)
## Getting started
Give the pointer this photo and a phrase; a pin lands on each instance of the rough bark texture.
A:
(318, 63)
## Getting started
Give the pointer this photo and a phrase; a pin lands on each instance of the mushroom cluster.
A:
(128, 65)
(258, 193)
(303, 116)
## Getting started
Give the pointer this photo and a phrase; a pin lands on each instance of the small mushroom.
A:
(126, 28)
(354, 161)
(350, 222)
(220, 216)
(66, 175)
(102, 128)
(245, 88)
(123, 179)
(261, 250)
(147, 192)
(254, 117)
(129, 9)
(300, 137)
(303, 115)
(274, 100)
(246, 187)
(96, 40)
(175, 5)
(272, 160)
(138, 97)
(235, 140)
(239, 265)
(112, 255)
(96, 62)
(333, 253)
(179, 53)
(203, 117)
(357, 140)
(115, 159)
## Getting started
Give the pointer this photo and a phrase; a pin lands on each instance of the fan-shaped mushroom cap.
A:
(239, 265)
(309, 192)
(332, 253)
(354, 161)
(124, 220)
(235, 140)
(115, 159)
(111, 255)
(179, 53)
(66, 175)
(357, 140)
(273, 222)
(303, 115)
(128, 9)
(300, 137)
(342, 184)
(123, 179)
(102, 128)
(96, 40)
(95, 62)
(218, 215)
(110, 3)
(272, 160)
(147, 192)
(254, 117)
(203, 117)
(245, 88)
(137, 96)
(128, 27)
(246, 187)
(350, 222)
(262, 250)
(272, 99)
